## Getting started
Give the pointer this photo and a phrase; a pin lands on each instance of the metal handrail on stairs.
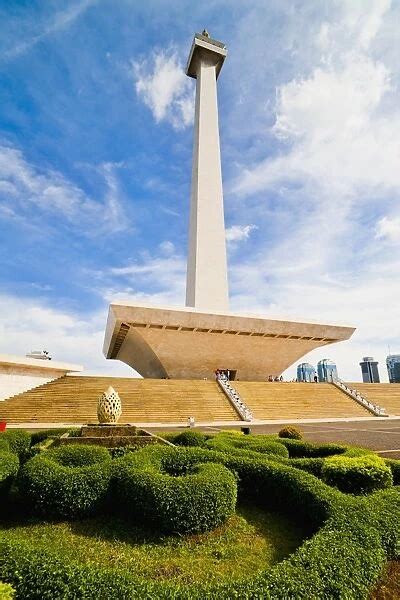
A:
(234, 397)
(375, 409)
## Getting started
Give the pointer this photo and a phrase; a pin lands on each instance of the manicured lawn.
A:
(251, 541)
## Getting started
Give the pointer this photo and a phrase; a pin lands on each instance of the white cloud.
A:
(27, 324)
(389, 229)
(163, 86)
(29, 191)
(239, 233)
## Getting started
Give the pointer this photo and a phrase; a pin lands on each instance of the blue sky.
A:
(95, 158)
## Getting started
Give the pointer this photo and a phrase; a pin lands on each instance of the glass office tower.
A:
(305, 372)
(369, 370)
(393, 368)
(327, 370)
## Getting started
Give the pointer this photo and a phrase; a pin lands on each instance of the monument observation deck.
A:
(193, 341)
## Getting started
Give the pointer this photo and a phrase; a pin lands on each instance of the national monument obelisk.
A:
(191, 342)
(207, 276)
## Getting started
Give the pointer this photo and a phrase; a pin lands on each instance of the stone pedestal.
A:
(112, 436)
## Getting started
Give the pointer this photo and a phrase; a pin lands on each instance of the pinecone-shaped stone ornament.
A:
(109, 406)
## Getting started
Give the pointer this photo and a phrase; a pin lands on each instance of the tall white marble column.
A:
(207, 277)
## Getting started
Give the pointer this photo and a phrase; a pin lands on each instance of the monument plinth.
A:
(192, 342)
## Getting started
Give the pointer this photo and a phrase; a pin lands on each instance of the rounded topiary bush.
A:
(290, 432)
(18, 441)
(359, 475)
(70, 481)
(195, 502)
(190, 438)
(79, 455)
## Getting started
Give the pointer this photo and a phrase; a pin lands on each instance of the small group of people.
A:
(271, 378)
(222, 374)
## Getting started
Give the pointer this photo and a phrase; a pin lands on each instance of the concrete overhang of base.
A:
(186, 343)
(34, 364)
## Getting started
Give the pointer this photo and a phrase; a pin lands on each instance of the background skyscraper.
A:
(369, 370)
(327, 370)
(393, 368)
(305, 372)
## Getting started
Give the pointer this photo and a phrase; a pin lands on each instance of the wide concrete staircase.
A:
(384, 394)
(74, 400)
(297, 401)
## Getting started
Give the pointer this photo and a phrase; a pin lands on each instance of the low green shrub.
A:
(70, 481)
(6, 591)
(303, 449)
(199, 500)
(4, 445)
(120, 451)
(9, 465)
(355, 452)
(264, 444)
(311, 465)
(290, 432)
(261, 479)
(394, 466)
(359, 475)
(190, 438)
(354, 536)
(79, 455)
(18, 440)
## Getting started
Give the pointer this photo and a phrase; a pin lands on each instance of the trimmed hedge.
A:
(264, 444)
(360, 475)
(344, 558)
(201, 499)
(302, 449)
(189, 438)
(70, 481)
(18, 441)
(9, 465)
(6, 591)
(394, 466)
(311, 465)
(79, 455)
(4, 445)
(290, 432)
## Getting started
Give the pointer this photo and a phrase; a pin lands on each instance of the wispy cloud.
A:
(59, 21)
(158, 279)
(27, 190)
(165, 89)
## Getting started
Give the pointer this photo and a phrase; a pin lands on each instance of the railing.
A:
(234, 398)
(375, 409)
